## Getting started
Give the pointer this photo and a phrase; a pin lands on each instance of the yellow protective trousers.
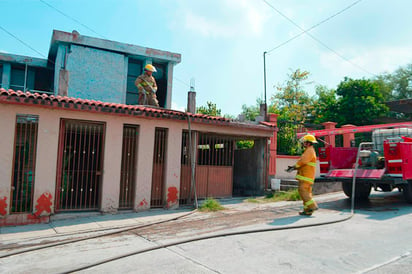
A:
(305, 192)
(148, 98)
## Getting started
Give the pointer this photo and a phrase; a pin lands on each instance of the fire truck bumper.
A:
(361, 173)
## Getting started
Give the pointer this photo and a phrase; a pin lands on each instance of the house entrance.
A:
(80, 163)
(25, 145)
(214, 167)
(158, 172)
(128, 168)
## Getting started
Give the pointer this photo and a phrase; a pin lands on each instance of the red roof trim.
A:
(51, 101)
(269, 124)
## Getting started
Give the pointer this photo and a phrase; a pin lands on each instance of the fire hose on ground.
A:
(199, 238)
(226, 234)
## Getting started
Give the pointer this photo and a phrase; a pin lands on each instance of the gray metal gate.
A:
(80, 163)
(128, 168)
(158, 173)
(25, 145)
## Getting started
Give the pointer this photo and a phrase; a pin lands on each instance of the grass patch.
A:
(211, 204)
(290, 195)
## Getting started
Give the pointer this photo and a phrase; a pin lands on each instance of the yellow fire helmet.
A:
(150, 67)
(308, 138)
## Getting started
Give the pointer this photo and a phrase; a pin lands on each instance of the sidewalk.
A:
(93, 222)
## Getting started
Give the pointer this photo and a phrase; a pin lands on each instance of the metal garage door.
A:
(214, 167)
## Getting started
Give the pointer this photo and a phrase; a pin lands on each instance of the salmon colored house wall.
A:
(47, 156)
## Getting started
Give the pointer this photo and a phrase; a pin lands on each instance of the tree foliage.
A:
(401, 81)
(354, 101)
(385, 85)
(291, 101)
(295, 107)
(210, 109)
(245, 144)
(325, 105)
(251, 112)
(396, 85)
(360, 102)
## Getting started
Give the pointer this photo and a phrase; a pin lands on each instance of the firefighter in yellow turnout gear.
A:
(306, 167)
(146, 84)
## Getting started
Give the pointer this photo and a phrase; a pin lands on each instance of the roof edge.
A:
(77, 104)
(74, 37)
(22, 59)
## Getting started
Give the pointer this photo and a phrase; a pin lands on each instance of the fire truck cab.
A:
(384, 164)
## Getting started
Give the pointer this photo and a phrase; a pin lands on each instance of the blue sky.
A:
(222, 41)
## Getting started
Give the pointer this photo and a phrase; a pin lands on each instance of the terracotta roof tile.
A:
(268, 124)
(56, 101)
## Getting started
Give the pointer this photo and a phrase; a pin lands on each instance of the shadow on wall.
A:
(282, 163)
(249, 170)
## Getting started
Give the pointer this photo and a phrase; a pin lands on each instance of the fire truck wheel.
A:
(407, 192)
(362, 191)
(385, 188)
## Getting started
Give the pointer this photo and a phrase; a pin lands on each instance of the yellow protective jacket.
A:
(146, 83)
(306, 165)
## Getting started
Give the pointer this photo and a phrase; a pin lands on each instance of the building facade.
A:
(62, 154)
(74, 139)
(89, 68)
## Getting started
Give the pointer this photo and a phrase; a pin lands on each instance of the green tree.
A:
(251, 112)
(402, 82)
(245, 144)
(396, 85)
(360, 102)
(385, 86)
(229, 116)
(292, 102)
(294, 107)
(325, 105)
(210, 109)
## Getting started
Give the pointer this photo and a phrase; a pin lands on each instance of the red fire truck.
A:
(384, 164)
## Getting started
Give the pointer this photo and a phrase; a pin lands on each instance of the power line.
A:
(316, 39)
(71, 18)
(314, 26)
(30, 47)
(51, 61)
(21, 41)
(78, 22)
(181, 81)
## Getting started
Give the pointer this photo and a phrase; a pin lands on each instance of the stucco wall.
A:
(144, 166)
(7, 121)
(249, 169)
(96, 74)
(47, 150)
(47, 154)
(112, 165)
(282, 163)
(173, 164)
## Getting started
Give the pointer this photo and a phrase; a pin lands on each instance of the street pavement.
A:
(376, 240)
(75, 223)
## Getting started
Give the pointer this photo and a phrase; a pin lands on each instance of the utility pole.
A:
(264, 78)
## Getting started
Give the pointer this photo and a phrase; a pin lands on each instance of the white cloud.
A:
(256, 15)
(206, 27)
(374, 60)
(232, 18)
(175, 106)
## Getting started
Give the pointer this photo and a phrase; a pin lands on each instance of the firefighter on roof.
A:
(146, 84)
(306, 167)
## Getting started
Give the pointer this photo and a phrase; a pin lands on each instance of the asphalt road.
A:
(377, 239)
